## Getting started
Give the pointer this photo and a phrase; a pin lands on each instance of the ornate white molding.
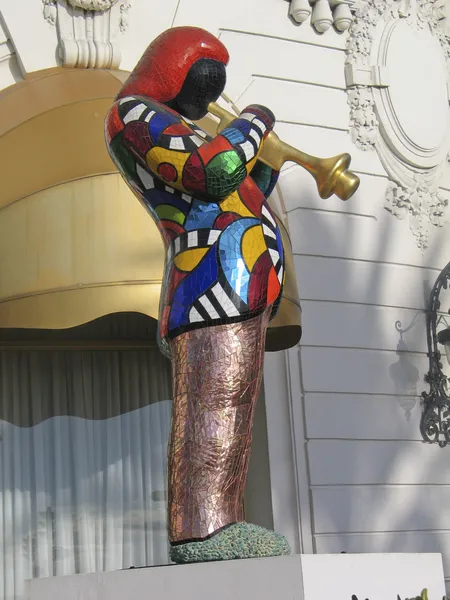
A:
(421, 205)
(50, 11)
(388, 101)
(124, 22)
(95, 5)
(363, 120)
(323, 13)
(88, 31)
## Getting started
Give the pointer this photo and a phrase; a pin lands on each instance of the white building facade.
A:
(347, 470)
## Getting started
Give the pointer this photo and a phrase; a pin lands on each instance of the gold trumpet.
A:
(331, 174)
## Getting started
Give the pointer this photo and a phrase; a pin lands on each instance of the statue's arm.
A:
(140, 130)
(265, 177)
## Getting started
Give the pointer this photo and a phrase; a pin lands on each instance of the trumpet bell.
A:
(346, 185)
(333, 177)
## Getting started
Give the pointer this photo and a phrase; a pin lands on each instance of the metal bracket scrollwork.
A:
(435, 422)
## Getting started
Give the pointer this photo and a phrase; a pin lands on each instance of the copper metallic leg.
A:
(217, 374)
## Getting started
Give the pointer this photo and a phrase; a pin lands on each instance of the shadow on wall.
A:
(404, 374)
(383, 492)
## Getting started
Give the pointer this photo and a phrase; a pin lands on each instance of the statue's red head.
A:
(184, 68)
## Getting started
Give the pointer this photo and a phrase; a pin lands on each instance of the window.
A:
(84, 423)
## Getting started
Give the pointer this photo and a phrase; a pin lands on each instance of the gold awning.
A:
(75, 244)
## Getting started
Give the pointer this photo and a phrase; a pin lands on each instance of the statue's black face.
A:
(204, 83)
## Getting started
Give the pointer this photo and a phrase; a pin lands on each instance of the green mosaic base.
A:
(241, 540)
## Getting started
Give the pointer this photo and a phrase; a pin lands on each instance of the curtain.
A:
(83, 441)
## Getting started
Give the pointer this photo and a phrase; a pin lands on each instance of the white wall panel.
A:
(299, 102)
(344, 280)
(274, 58)
(372, 327)
(362, 417)
(354, 462)
(377, 509)
(375, 239)
(363, 371)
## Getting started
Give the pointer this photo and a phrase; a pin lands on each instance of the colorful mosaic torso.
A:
(208, 197)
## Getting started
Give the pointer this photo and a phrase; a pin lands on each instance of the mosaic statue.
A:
(223, 279)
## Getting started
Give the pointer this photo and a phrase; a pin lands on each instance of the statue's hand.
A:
(262, 113)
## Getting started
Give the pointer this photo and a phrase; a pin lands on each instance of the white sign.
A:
(372, 576)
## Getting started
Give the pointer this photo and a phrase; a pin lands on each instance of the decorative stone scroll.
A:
(323, 13)
(399, 102)
(95, 5)
(88, 31)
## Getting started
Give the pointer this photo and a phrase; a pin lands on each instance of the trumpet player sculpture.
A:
(223, 279)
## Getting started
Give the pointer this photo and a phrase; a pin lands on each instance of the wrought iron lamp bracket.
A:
(435, 421)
